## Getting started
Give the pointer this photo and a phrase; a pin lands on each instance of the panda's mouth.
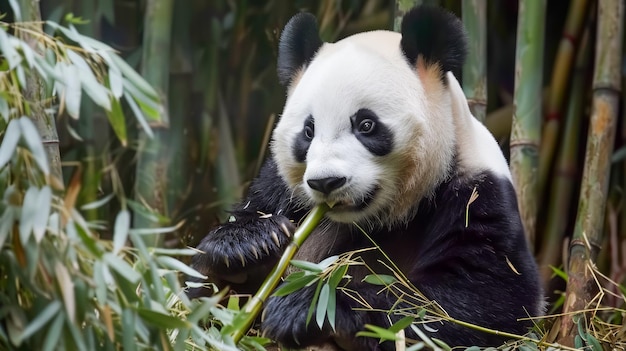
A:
(351, 204)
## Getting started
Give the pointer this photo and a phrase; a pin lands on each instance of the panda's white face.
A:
(361, 131)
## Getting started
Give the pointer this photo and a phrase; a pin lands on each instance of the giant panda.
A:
(377, 125)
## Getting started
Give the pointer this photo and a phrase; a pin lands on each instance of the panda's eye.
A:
(308, 131)
(366, 126)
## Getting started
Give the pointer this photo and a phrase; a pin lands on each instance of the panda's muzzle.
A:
(326, 185)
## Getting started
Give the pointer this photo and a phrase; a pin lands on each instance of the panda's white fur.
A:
(378, 126)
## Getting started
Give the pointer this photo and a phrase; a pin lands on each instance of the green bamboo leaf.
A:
(41, 320)
(401, 324)
(122, 268)
(162, 320)
(202, 308)
(331, 307)
(67, 290)
(322, 304)
(128, 329)
(150, 108)
(176, 265)
(98, 203)
(325, 263)
(100, 282)
(116, 83)
(417, 346)
(337, 275)
(29, 212)
(316, 295)
(290, 286)
(17, 11)
(21, 75)
(8, 51)
(4, 109)
(442, 344)
(27, 53)
(9, 142)
(133, 77)
(6, 223)
(33, 140)
(120, 230)
(380, 279)
(98, 93)
(139, 115)
(72, 92)
(307, 266)
(378, 332)
(51, 342)
(117, 121)
(174, 252)
(295, 276)
(40, 219)
(593, 342)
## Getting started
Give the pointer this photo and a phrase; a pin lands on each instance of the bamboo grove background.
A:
(546, 77)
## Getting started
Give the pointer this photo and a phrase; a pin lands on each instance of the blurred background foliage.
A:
(213, 65)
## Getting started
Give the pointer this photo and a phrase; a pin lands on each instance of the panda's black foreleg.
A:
(241, 252)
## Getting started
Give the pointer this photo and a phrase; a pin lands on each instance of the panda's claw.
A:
(275, 238)
(285, 230)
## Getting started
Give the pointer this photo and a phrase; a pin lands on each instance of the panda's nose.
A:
(326, 185)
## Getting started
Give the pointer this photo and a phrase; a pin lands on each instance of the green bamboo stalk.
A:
(252, 308)
(151, 184)
(563, 181)
(588, 230)
(474, 69)
(403, 6)
(526, 125)
(558, 86)
(34, 94)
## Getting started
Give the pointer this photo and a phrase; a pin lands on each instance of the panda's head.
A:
(368, 123)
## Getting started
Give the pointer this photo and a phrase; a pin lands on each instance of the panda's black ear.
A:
(435, 35)
(298, 43)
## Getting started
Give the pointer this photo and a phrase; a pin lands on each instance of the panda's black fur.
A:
(471, 258)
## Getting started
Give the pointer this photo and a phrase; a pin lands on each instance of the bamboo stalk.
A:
(526, 125)
(563, 181)
(242, 322)
(474, 69)
(587, 238)
(151, 184)
(401, 8)
(34, 94)
(558, 83)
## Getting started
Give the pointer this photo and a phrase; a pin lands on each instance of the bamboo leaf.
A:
(17, 12)
(40, 219)
(128, 329)
(331, 307)
(133, 77)
(29, 212)
(139, 115)
(122, 268)
(8, 51)
(41, 320)
(6, 223)
(116, 83)
(316, 295)
(401, 324)
(176, 265)
(337, 275)
(290, 286)
(33, 140)
(325, 263)
(4, 109)
(307, 266)
(51, 342)
(116, 119)
(378, 332)
(67, 290)
(120, 231)
(9, 141)
(322, 304)
(380, 279)
(162, 320)
(97, 204)
(73, 91)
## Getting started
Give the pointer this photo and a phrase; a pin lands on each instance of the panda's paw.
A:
(242, 244)
(284, 320)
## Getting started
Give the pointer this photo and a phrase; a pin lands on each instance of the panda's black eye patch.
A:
(303, 139)
(371, 132)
